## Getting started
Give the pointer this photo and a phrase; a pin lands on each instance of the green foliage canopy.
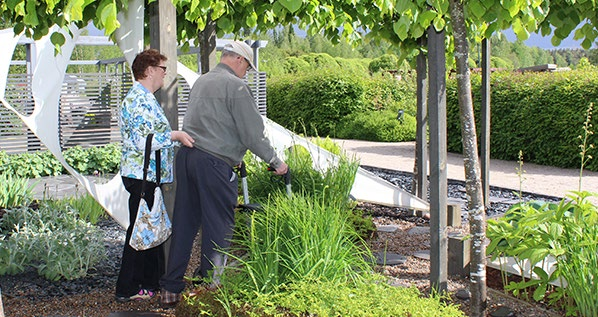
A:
(401, 23)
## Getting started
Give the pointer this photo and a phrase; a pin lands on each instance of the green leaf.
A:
(74, 10)
(401, 28)
(18, 28)
(403, 6)
(439, 23)
(31, 14)
(224, 24)
(218, 10)
(57, 39)
(426, 18)
(477, 9)
(194, 5)
(12, 4)
(108, 17)
(291, 5)
(519, 30)
(251, 19)
(540, 292)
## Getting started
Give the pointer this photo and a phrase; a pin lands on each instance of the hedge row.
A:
(342, 105)
(540, 114)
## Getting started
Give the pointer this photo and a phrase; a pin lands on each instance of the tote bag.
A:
(152, 226)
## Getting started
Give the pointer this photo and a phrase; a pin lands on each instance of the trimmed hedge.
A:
(541, 114)
(314, 102)
(339, 104)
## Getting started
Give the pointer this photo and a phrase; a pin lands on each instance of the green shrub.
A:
(293, 65)
(314, 102)
(320, 61)
(53, 241)
(356, 66)
(567, 231)
(384, 63)
(377, 126)
(372, 298)
(383, 91)
(31, 165)
(88, 161)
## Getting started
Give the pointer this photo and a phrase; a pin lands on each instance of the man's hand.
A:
(282, 169)
(182, 137)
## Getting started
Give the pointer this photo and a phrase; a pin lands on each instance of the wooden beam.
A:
(163, 37)
(438, 160)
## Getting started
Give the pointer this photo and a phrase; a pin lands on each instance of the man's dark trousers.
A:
(206, 196)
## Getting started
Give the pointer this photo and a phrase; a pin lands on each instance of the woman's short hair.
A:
(145, 59)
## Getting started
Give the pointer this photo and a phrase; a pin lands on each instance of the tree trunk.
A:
(473, 183)
(207, 47)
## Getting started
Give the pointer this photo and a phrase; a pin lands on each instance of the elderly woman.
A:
(140, 115)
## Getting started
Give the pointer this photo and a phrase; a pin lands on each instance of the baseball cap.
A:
(242, 49)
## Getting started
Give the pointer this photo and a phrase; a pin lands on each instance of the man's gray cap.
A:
(242, 49)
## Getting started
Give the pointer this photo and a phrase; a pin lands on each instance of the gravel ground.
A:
(29, 295)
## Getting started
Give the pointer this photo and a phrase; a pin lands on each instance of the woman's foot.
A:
(143, 294)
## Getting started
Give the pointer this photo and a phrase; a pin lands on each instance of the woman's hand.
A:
(182, 137)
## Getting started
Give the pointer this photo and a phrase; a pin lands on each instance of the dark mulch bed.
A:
(28, 294)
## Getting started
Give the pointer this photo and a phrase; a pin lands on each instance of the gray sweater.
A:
(224, 120)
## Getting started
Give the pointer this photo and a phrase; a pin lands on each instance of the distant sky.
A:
(544, 42)
(93, 30)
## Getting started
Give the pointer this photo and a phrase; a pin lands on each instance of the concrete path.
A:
(538, 179)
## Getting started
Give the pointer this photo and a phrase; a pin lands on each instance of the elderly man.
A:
(224, 121)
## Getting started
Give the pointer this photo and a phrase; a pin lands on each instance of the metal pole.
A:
(485, 122)
(421, 134)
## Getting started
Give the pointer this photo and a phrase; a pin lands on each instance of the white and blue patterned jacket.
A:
(139, 115)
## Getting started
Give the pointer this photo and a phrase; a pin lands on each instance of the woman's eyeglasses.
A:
(163, 68)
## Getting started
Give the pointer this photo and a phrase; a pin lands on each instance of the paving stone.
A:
(424, 254)
(463, 294)
(387, 228)
(503, 311)
(419, 230)
(389, 258)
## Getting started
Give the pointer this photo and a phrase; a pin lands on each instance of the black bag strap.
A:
(146, 160)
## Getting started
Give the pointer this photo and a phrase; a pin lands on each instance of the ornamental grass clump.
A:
(295, 239)
(337, 180)
(86, 207)
(15, 191)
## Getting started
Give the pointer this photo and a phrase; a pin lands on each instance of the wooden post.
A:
(438, 160)
(485, 122)
(163, 37)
